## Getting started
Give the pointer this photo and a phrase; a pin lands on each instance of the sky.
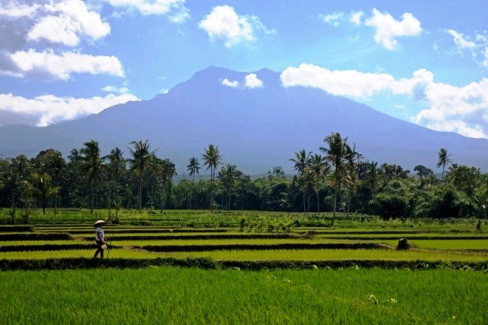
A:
(425, 62)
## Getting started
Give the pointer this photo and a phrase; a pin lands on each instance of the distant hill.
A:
(256, 129)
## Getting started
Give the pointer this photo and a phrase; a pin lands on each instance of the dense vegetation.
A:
(336, 179)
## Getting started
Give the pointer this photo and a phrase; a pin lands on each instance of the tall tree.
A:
(336, 153)
(303, 178)
(116, 167)
(194, 168)
(92, 167)
(212, 160)
(43, 188)
(140, 160)
(228, 177)
(15, 173)
(443, 160)
(168, 171)
(319, 168)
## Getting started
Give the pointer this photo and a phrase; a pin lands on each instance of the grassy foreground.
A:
(193, 296)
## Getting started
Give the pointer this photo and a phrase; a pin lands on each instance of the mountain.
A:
(254, 128)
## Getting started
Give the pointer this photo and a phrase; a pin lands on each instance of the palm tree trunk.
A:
(318, 202)
(335, 206)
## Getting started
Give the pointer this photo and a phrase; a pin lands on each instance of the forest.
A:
(336, 178)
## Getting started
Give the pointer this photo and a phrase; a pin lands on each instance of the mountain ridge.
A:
(255, 128)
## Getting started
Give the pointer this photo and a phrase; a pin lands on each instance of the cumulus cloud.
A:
(228, 83)
(223, 23)
(450, 108)
(66, 21)
(336, 82)
(175, 9)
(16, 10)
(49, 109)
(50, 26)
(252, 81)
(62, 66)
(388, 29)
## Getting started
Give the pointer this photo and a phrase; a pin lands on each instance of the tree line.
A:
(335, 179)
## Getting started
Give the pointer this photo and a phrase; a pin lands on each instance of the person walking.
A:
(99, 238)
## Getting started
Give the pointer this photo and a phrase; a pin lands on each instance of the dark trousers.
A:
(99, 249)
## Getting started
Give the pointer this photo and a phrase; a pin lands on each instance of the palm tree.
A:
(300, 160)
(168, 170)
(116, 166)
(194, 168)
(300, 164)
(56, 165)
(336, 155)
(228, 176)
(443, 160)
(319, 167)
(212, 159)
(140, 160)
(43, 188)
(351, 173)
(13, 176)
(92, 167)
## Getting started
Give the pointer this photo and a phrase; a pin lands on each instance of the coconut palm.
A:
(319, 168)
(168, 171)
(300, 161)
(14, 174)
(194, 168)
(212, 159)
(43, 188)
(92, 167)
(228, 176)
(116, 166)
(140, 160)
(336, 153)
(443, 160)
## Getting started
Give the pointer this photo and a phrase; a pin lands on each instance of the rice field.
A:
(173, 295)
(194, 296)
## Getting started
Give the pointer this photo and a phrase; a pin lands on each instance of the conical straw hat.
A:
(100, 222)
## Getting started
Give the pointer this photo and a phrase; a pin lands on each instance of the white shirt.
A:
(100, 235)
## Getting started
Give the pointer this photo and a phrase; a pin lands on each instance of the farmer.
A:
(99, 238)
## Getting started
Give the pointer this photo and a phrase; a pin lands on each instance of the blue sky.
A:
(425, 62)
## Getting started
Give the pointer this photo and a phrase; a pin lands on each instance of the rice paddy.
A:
(349, 292)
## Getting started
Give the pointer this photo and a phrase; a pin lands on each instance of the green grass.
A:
(470, 244)
(271, 255)
(193, 296)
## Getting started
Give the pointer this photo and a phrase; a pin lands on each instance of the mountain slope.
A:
(255, 129)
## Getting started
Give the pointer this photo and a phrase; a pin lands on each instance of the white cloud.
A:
(457, 109)
(16, 10)
(228, 83)
(49, 109)
(387, 28)
(336, 82)
(333, 18)
(252, 81)
(478, 47)
(460, 40)
(356, 17)
(62, 66)
(174, 8)
(113, 89)
(66, 21)
(223, 23)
